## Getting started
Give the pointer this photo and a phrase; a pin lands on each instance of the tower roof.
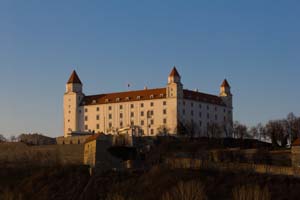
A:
(225, 83)
(74, 78)
(174, 72)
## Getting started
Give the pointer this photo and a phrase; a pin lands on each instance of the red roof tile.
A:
(202, 97)
(138, 95)
(225, 83)
(174, 72)
(74, 78)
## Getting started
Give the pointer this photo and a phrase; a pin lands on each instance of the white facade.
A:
(149, 109)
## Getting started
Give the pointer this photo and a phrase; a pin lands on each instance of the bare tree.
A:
(254, 133)
(277, 132)
(240, 130)
(163, 130)
(181, 128)
(191, 129)
(214, 130)
(2, 138)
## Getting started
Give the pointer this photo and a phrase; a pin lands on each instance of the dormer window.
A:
(117, 99)
(138, 97)
(94, 101)
(106, 100)
(161, 95)
(151, 96)
(127, 98)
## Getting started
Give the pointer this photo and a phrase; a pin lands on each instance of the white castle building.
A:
(148, 111)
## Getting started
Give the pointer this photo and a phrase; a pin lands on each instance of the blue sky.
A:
(254, 44)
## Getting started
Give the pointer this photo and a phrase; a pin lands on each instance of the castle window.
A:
(98, 117)
(208, 107)
(110, 125)
(86, 127)
(142, 113)
(142, 123)
(121, 124)
(151, 104)
(200, 106)
(98, 109)
(110, 116)
(164, 103)
(151, 112)
(183, 112)
(121, 115)
(132, 105)
(109, 108)
(121, 107)
(142, 105)
(184, 103)
(200, 123)
(132, 114)
(152, 132)
(216, 108)
(216, 117)
(192, 104)
(132, 123)
(86, 110)
(224, 119)
(165, 111)
(224, 110)
(165, 121)
(152, 121)
(192, 113)
(200, 114)
(86, 118)
(98, 126)
(207, 116)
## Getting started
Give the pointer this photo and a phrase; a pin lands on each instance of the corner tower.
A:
(175, 87)
(72, 98)
(225, 93)
(174, 97)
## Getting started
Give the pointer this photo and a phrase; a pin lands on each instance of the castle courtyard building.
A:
(147, 111)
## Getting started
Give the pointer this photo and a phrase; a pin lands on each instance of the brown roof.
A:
(207, 98)
(174, 72)
(93, 137)
(74, 78)
(138, 95)
(225, 83)
(296, 142)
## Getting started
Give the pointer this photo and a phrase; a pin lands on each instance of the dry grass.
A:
(251, 192)
(192, 190)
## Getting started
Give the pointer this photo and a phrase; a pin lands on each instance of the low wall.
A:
(19, 154)
(187, 163)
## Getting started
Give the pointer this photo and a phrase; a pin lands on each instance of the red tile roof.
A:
(74, 78)
(202, 97)
(225, 83)
(296, 142)
(174, 73)
(138, 95)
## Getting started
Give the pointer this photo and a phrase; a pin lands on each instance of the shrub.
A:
(192, 190)
(251, 192)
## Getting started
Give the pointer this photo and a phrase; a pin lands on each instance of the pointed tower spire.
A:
(225, 83)
(174, 73)
(74, 78)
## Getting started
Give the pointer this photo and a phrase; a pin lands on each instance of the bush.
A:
(251, 192)
(192, 190)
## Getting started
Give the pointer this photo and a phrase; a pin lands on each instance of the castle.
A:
(147, 111)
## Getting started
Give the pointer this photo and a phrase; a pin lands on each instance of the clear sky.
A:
(254, 44)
